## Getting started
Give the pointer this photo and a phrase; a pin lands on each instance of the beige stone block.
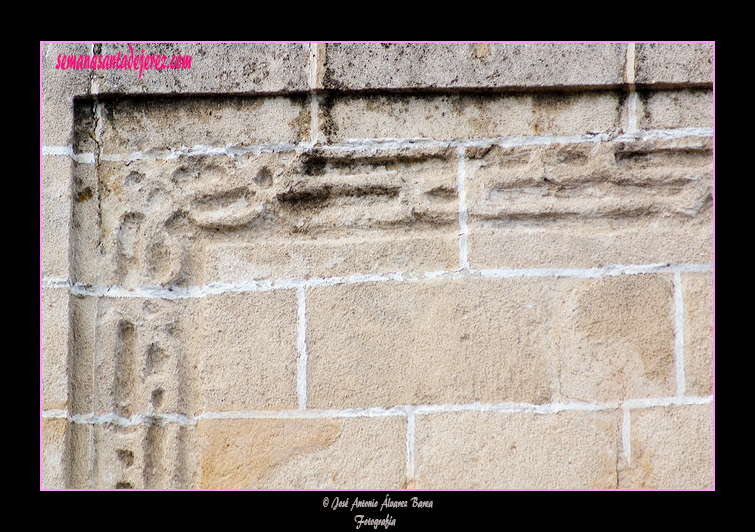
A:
(429, 342)
(85, 225)
(215, 68)
(354, 453)
(672, 109)
(486, 450)
(671, 448)
(616, 340)
(400, 205)
(146, 457)
(56, 215)
(697, 293)
(78, 460)
(529, 340)
(674, 63)
(621, 202)
(81, 361)
(250, 357)
(467, 115)
(358, 66)
(147, 354)
(413, 253)
(59, 87)
(53, 472)
(55, 342)
(156, 124)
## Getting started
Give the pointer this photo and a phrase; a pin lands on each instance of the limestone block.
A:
(146, 457)
(671, 448)
(196, 220)
(621, 202)
(215, 68)
(468, 115)
(59, 87)
(250, 354)
(674, 63)
(147, 355)
(671, 109)
(697, 293)
(486, 450)
(155, 124)
(358, 66)
(53, 466)
(526, 340)
(366, 453)
(56, 215)
(55, 338)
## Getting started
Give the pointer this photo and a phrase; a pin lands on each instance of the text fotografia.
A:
(387, 504)
(123, 62)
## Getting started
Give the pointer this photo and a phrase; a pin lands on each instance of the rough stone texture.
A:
(486, 450)
(53, 453)
(697, 291)
(619, 343)
(490, 340)
(304, 453)
(147, 353)
(56, 215)
(59, 87)
(155, 124)
(620, 202)
(249, 360)
(675, 109)
(216, 68)
(674, 63)
(152, 457)
(468, 115)
(81, 357)
(671, 448)
(55, 330)
(472, 65)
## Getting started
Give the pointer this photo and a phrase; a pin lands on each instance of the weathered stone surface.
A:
(250, 355)
(304, 453)
(618, 342)
(147, 353)
(697, 292)
(468, 115)
(620, 202)
(157, 124)
(529, 340)
(471, 65)
(671, 448)
(152, 457)
(53, 465)
(219, 68)
(671, 109)
(55, 330)
(56, 215)
(59, 87)
(674, 63)
(158, 231)
(486, 450)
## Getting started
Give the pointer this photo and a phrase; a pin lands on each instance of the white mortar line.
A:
(410, 443)
(301, 348)
(681, 386)
(159, 292)
(405, 410)
(377, 144)
(626, 431)
(462, 193)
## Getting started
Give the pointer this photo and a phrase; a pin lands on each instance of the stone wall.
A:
(377, 265)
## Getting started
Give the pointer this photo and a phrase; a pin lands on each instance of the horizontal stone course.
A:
(482, 450)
